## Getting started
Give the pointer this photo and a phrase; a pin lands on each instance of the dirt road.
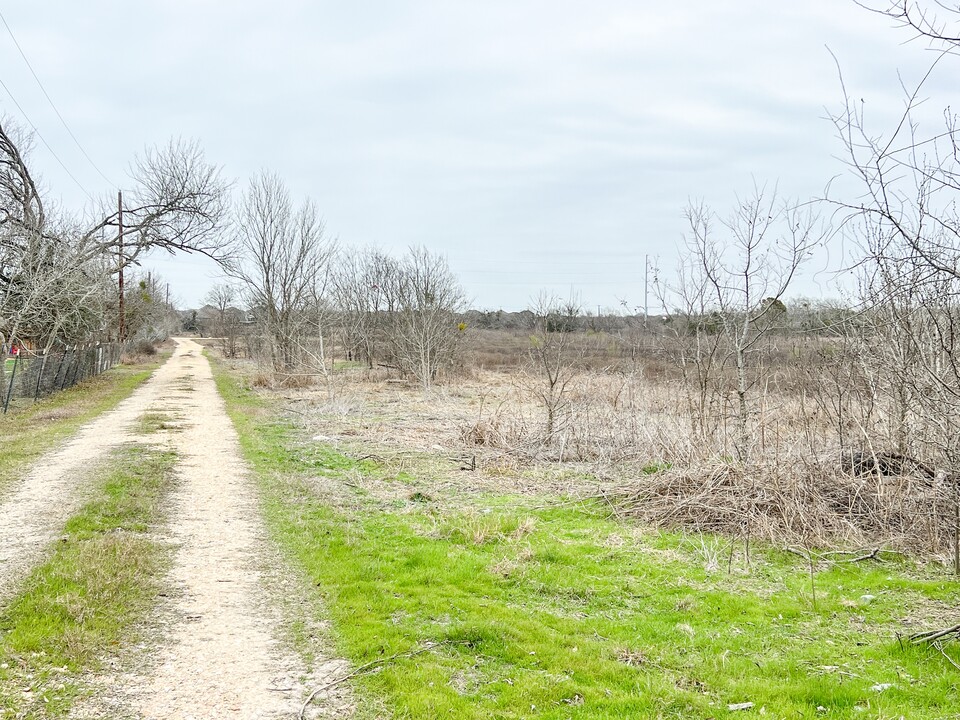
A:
(218, 651)
(34, 510)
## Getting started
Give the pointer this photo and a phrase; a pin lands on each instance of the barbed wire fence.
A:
(31, 376)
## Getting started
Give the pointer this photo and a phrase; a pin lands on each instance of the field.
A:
(627, 422)
(403, 553)
(471, 568)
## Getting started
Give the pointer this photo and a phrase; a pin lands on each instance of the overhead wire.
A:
(44, 141)
(50, 100)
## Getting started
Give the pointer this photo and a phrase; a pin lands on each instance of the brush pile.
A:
(805, 503)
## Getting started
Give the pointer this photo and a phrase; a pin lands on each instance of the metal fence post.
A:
(13, 374)
(66, 370)
(56, 374)
(43, 365)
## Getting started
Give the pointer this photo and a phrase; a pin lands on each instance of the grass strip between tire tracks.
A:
(565, 612)
(29, 432)
(85, 599)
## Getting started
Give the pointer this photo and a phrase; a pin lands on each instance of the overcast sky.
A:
(538, 145)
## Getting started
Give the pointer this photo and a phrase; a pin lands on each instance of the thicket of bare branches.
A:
(552, 358)
(905, 221)
(365, 285)
(228, 323)
(732, 276)
(56, 272)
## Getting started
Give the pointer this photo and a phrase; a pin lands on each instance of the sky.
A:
(539, 146)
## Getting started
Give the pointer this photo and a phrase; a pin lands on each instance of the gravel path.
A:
(217, 652)
(222, 656)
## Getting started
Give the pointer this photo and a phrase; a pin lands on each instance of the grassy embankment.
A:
(97, 583)
(540, 609)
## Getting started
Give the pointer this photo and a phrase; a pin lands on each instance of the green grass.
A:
(99, 580)
(155, 421)
(565, 612)
(28, 432)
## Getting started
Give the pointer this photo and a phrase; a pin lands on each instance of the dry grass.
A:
(509, 350)
(143, 352)
(132, 357)
(272, 380)
(627, 435)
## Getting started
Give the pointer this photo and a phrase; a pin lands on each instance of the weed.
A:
(655, 467)
(707, 549)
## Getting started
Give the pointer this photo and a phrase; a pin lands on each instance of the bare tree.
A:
(25, 250)
(179, 202)
(424, 331)
(365, 286)
(21, 209)
(315, 348)
(223, 297)
(908, 226)
(690, 336)
(837, 374)
(279, 254)
(742, 272)
(552, 356)
(906, 212)
(933, 20)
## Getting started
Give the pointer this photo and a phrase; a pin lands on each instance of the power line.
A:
(44, 141)
(50, 100)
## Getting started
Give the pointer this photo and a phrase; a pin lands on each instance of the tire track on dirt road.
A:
(220, 654)
(33, 511)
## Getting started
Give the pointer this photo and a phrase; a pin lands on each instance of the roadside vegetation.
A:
(473, 602)
(98, 582)
(27, 432)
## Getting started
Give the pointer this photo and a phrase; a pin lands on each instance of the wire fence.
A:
(32, 376)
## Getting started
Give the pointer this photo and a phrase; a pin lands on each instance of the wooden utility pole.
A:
(121, 333)
(646, 288)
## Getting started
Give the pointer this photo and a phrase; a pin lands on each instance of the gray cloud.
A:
(536, 144)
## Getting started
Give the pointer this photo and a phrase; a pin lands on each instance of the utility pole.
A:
(123, 330)
(646, 289)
